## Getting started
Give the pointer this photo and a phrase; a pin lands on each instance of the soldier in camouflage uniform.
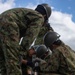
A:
(62, 59)
(14, 24)
(43, 9)
(46, 26)
(44, 29)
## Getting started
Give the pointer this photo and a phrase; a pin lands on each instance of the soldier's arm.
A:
(33, 29)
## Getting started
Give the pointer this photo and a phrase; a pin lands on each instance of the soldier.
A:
(34, 55)
(27, 64)
(46, 26)
(14, 24)
(62, 60)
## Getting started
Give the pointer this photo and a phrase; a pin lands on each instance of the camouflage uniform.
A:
(55, 57)
(61, 62)
(14, 24)
(46, 27)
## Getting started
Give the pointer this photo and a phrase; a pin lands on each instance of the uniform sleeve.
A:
(33, 29)
(66, 66)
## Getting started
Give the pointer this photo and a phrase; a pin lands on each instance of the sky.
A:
(62, 18)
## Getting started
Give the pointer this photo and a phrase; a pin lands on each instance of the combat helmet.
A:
(44, 9)
(50, 38)
(41, 51)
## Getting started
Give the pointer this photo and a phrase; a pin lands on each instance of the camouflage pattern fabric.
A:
(46, 27)
(61, 62)
(14, 24)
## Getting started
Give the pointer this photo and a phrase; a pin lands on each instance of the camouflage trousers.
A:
(9, 50)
